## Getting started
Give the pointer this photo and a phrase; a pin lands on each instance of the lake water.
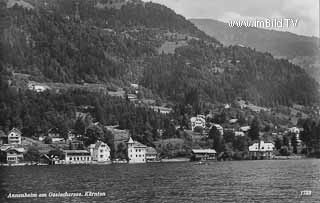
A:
(243, 181)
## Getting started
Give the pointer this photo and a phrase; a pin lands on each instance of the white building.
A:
(136, 152)
(203, 154)
(233, 121)
(100, 152)
(77, 157)
(37, 87)
(14, 136)
(245, 128)
(261, 150)
(55, 136)
(239, 134)
(198, 121)
(58, 140)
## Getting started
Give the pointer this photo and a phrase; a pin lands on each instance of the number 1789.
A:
(305, 193)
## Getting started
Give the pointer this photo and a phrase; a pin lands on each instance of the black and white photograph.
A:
(159, 101)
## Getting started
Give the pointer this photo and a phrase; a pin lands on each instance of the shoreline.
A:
(174, 160)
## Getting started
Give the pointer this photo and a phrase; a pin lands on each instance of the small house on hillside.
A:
(14, 136)
(198, 122)
(55, 136)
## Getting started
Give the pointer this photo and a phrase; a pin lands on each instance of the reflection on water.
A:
(245, 181)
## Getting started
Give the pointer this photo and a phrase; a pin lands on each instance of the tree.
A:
(48, 140)
(94, 133)
(198, 129)
(254, 129)
(241, 143)
(32, 155)
(284, 151)
(278, 143)
(56, 153)
(80, 127)
(294, 143)
(121, 151)
(218, 140)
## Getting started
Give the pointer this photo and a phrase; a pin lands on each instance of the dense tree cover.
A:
(256, 77)
(311, 136)
(114, 45)
(36, 113)
(32, 155)
(254, 129)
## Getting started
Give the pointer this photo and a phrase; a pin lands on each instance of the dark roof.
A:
(53, 130)
(15, 130)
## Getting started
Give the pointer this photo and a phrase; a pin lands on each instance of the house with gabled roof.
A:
(100, 152)
(14, 136)
(13, 155)
(151, 154)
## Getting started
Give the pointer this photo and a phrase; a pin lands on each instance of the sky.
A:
(306, 11)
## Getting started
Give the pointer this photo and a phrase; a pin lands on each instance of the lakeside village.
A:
(227, 132)
(17, 150)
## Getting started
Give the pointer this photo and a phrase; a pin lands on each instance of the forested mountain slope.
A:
(300, 50)
(69, 42)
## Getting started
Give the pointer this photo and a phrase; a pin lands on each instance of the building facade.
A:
(14, 136)
(77, 157)
(203, 155)
(198, 121)
(100, 152)
(11, 154)
(261, 150)
(136, 152)
(151, 154)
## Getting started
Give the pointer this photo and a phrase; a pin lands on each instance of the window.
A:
(78, 158)
(139, 155)
(136, 150)
(101, 156)
(101, 151)
(131, 155)
(136, 155)
(70, 158)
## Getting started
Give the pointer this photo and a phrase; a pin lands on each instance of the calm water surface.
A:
(245, 181)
